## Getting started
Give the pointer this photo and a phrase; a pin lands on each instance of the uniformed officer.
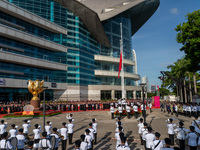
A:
(88, 139)
(167, 144)
(25, 126)
(144, 132)
(36, 133)
(44, 143)
(63, 131)
(149, 138)
(117, 137)
(94, 126)
(91, 134)
(56, 137)
(21, 140)
(70, 127)
(140, 126)
(77, 145)
(157, 144)
(128, 110)
(123, 146)
(3, 127)
(135, 109)
(13, 132)
(70, 117)
(48, 128)
(192, 138)
(176, 110)
(112, 110)
(84, 145)
(143, 108)
(195, 123)
(150, 106)
(4, 143)
(30, 145)
(120, 111)
(181, 131)
(170, 127)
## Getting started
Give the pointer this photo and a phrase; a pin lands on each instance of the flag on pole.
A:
(158, 87)
(120, 64)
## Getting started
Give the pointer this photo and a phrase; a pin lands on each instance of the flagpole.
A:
(122, 69)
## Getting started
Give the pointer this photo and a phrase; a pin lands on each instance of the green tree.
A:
(189, 35)
(164, 91)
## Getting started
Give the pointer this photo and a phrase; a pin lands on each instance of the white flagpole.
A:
(122, 69)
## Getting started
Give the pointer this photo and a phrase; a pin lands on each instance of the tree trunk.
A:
(185, 92)
(195, 86)
(182, 94)
(190, 87)
(177, 90)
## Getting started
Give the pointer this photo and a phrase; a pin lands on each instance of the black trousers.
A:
(171, 137)
(141, 140)
(182, 144)
(56, 148)
(112, 115)
(128, 115)
(95, 138)
(136, 114)
(120, 114)
(193, 147)
(144, 144)
(64, 144)
(70, 135)
(92, 143)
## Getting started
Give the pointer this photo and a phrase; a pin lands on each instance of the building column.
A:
(113, 94)
(125, 94)
(134, 94)
(141, 95)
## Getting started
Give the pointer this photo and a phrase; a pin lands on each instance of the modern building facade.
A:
(74, 46)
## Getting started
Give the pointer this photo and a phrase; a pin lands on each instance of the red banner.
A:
(120, 64)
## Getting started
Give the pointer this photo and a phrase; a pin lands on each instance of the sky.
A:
(155, 42)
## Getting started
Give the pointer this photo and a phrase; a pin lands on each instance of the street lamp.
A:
(44, 108)
(144, 111)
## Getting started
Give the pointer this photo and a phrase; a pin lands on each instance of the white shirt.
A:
(26, 126)
(91, 133)
(128, 108)
(140, 126)
(83, 146)
(144, 132)
(194, 124)
(94, 126)
(176, 108)
(181, 133)
(36, 133)
(120, 109)
(21, 141)
(45, 143)
(170, 127)
(3, 128)
(70, 127)
(194, 108)
(142, 107)
(123, 147)
(57, 139)
(198, 108)
(150, 105)
(63, 132)
(149, 138)
(135, 108)
(13, 132)
(112, 109)
(117, 137)
(192, 139)
(88, 140)
(69, 117)
(5, 144)
(160, 145)
(48, 129)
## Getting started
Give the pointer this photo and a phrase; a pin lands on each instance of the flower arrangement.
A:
(124, 112)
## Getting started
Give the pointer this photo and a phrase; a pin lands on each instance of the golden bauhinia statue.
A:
(35, 87)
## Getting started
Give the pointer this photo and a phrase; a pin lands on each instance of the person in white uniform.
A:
(25, 126)
(94, 126)
(140, 126)
(84, 145)
(123, 145)
(48, 128)
(157, 144)
(88, 139)
(37, 137)
(192, 138)
(112, 110)
(70, 127)
(128, 110)
(63, 131)
(21, 140)
(44, 143)
(181, 132)
(135, 109)
(170, 127)
(4, 143)
(144, 132)
(13, 132)
(149, 138)
(120, 111)
(56, 137)
(3, 127)
(70, 117)
(77, 145)
(195, 123)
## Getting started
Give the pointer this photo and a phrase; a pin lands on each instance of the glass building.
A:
(74, 49)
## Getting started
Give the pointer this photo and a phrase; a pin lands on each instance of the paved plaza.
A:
(106, 126)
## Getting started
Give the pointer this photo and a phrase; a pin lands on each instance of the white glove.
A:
(29, 121)
(16, 127)
(50, 123)
(6, 123)
(39, 126)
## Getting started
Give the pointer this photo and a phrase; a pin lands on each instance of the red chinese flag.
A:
(120, 64)
(158, 87)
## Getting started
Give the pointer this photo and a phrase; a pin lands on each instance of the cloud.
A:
(174, 11)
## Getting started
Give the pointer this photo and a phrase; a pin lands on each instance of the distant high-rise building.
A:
(153, 88)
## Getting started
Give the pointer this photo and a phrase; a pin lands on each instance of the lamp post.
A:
(44, 109)
(144, 111)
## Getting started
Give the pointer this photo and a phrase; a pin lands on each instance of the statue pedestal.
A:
(36, 104)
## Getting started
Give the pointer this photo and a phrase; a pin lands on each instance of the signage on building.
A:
(2, 81)
(53, 85)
